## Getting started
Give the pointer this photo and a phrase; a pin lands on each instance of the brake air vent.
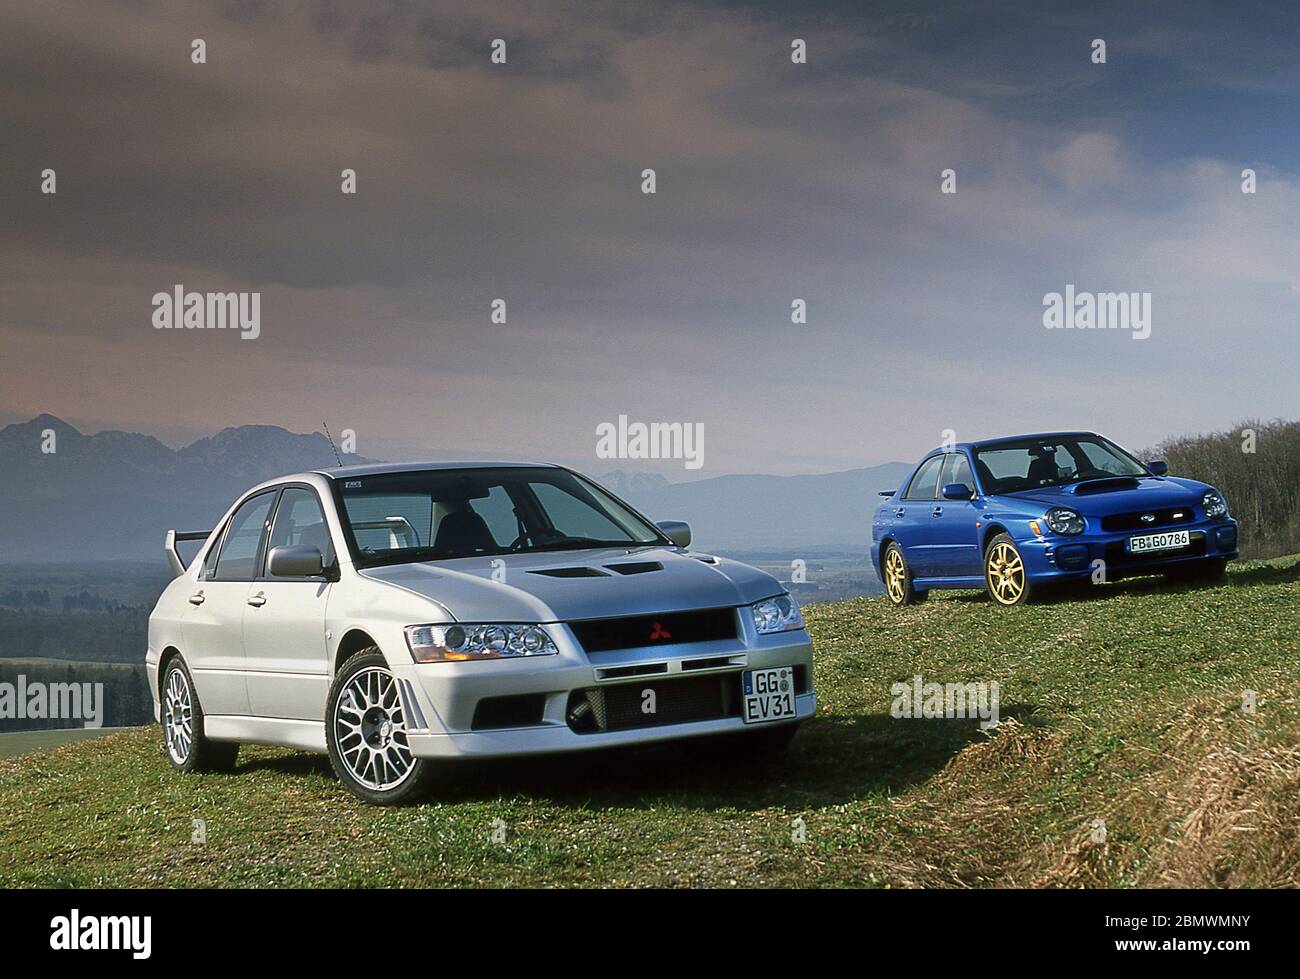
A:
(571, 572)
(636, 567)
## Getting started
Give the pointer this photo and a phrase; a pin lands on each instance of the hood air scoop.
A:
(571, 572)
(1109, 485)
(636, 567)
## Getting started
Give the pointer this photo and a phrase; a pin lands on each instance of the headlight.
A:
(464, 641)
(1215, 505)
(780, 614)
(1062, 521)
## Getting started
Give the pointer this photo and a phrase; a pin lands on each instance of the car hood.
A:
(664, 580)
(1149, 493)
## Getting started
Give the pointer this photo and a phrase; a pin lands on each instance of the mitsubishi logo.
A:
(659, 632)
(1148, 518)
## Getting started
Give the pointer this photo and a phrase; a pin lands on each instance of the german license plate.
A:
(1170, 540)
(768, 695)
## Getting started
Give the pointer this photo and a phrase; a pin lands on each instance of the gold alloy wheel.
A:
(1006, 573)
(895, 576)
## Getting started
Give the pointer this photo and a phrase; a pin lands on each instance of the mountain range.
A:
(112, 495)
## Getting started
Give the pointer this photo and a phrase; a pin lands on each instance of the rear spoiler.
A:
(173, 555)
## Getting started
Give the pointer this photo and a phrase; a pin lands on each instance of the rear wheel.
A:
(365, 728)
(898, 578)
(1004, 572)
(188, 747)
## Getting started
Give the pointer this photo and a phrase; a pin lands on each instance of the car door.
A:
(954, 536)
(914, 527)
(286, 656)
(212, 628)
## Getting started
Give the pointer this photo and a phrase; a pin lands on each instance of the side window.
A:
(956, 469)
(238, 557)
(210, 561)
(923, 485)
(299, 520)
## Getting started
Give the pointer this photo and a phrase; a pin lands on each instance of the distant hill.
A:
(111, 496)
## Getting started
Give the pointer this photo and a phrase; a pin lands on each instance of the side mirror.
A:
(1158, 467)
(957, 491)
(295, 561)
(676, 531)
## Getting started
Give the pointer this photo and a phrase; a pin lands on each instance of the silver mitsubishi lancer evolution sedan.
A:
(398, 617)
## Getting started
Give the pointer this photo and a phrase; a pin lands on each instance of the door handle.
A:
(900, 512)
(937, 512)
(258, 600)
(197, 598)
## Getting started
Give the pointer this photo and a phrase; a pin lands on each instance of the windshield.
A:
(439, 514)
(1010, 467)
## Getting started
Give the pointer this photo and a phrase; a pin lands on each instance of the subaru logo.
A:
(1148, 518)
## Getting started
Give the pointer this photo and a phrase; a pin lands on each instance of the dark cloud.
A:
(776, 181)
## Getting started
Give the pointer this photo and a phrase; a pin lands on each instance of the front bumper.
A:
(507, 708)
(1058, 558)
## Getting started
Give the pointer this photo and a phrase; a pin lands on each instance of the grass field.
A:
(26, 742)
(1124, 706)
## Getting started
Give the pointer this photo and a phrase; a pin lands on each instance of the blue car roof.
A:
(985, 443)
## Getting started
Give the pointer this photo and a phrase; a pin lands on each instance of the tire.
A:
(896, 574)
(187, 747)
(365, 729)
(1201, 572)
(1005, 576)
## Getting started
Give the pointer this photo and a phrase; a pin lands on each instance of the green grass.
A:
(1124, 706)
(26, 742)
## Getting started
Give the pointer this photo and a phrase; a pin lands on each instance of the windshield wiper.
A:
(583, 544)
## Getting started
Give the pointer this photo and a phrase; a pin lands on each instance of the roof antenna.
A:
(337, 457)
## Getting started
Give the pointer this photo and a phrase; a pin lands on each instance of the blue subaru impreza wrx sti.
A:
(1015, 514)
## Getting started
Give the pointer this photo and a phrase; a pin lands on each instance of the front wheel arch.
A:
(991, 531)
(353, 642)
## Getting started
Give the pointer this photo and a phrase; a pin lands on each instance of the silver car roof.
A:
(379, 468)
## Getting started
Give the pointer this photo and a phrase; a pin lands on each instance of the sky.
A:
(774, 181)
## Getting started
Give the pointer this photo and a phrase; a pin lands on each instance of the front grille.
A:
(624, 706)
(1172, 516)
(668, 628)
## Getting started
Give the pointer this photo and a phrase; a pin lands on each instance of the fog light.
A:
(1072, 557)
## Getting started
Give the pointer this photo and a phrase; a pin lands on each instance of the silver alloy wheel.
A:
(370, 730)
(178, 717)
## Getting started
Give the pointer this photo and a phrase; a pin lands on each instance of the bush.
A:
(1262, 487)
